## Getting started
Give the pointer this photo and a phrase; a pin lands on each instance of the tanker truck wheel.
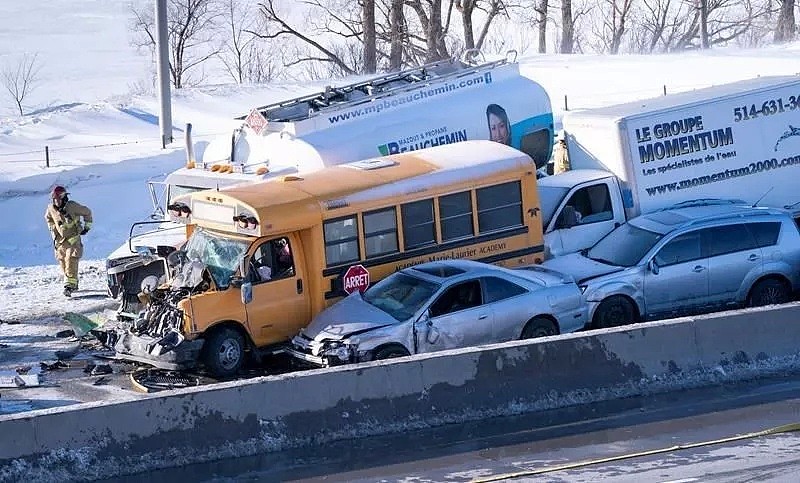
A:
(224, 352)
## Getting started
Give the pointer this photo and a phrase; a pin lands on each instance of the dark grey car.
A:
(442, 305)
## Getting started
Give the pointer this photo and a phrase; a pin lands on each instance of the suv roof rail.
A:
(744, 212)
(705, 202)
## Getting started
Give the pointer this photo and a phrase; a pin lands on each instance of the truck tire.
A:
(613, 312)
(224, 352)
(539, 327)
(768, 292)
(389, 352)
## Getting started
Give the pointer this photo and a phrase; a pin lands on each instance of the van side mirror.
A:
(247, 292)
(568, 217)
(652, 265)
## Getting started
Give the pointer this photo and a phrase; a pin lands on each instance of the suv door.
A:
(460, 318)
(734, 257)
(681, 281)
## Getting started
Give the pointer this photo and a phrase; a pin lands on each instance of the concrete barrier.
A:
(94, 440)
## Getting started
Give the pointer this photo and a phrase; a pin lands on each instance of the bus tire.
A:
(224, 352)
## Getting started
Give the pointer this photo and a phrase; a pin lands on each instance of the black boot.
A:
(68, 290)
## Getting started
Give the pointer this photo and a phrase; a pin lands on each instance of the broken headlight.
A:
(339, 350)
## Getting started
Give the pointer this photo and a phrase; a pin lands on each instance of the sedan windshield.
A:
(400, 295)
(624, 247)
(220, 254)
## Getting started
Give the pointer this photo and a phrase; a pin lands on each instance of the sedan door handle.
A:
(481, 317)
(698, 268)
(753, 257)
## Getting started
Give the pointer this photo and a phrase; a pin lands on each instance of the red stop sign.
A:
(356, 278)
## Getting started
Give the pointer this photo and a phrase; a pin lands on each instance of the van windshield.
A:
(550, 197)
(220, 254)
(400, 295)
(624, 247)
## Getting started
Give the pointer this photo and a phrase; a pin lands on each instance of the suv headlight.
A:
(338, 350)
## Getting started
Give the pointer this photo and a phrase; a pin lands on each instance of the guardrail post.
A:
(566, 106)
(47, 156)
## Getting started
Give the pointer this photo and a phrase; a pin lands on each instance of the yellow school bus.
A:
(277, 253)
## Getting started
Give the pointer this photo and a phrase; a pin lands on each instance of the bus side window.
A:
(341, 240)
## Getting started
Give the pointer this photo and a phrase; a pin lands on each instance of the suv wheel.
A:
(539, 327)
(613, 312)
(223, 352)
(768, 292)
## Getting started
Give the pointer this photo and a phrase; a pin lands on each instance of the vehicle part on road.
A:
(613, 312)
(539, 327)
(154, 380)
(786, 428)
(224, 352)
(768, 292)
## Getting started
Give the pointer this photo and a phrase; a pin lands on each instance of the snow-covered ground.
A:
(104, 141)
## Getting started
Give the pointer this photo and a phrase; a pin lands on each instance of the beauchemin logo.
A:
(399, 147)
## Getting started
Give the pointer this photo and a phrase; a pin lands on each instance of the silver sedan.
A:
(442, 305)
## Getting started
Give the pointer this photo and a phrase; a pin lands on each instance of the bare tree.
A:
(434, 27)
(242, 55)
(567, 44)
(467, 8)
(192, 28)
(342, 23)
(21, 78)
(370, 37)
(397, 34)
(786, 26)
(541, 23)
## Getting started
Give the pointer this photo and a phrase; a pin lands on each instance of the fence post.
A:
(47, 156)
(566, 106)
(665, 89)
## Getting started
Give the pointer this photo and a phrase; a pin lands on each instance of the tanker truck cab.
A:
(262, 259)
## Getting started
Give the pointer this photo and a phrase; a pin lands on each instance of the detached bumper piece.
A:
(170, 352)
(307, 358)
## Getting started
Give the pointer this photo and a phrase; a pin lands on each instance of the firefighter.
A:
(67, 221)
(560, 155)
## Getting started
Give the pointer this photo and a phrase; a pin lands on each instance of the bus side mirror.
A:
(247, 292)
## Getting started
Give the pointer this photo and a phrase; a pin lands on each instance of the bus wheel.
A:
(224, 352)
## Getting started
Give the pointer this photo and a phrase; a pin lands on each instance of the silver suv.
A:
(687, 260)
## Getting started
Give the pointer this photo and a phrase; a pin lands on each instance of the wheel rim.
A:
(230, 351)
(614, 316)
(771, 295)
(541, 332)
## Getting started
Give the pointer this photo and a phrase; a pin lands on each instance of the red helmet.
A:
(59, 193)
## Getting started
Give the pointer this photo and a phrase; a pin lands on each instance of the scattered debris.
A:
(54, 365)
(102, 380)
(154, 380)
(101, 369)
(81, 324)
(3, 346)
(68, 353)
(23, 369)
(19, 380)
(65, 333)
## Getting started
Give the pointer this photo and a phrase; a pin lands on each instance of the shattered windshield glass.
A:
(220, 254)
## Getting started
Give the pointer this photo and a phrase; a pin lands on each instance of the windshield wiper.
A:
(603, 260)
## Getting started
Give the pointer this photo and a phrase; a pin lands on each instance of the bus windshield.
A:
(220, 255)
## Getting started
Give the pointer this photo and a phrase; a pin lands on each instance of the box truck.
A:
(735, 141)
(439, 103)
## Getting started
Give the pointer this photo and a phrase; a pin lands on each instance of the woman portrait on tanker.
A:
(499, 129)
